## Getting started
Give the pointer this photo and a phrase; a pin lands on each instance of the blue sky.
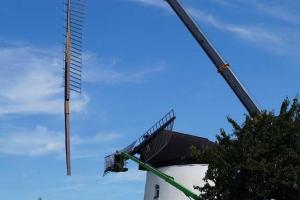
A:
(139, 62)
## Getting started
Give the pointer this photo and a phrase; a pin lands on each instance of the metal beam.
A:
(163, 176)
(222, 66)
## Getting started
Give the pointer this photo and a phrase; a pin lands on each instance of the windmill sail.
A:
(165, 123)
(74, 12)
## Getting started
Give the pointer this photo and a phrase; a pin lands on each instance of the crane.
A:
(117, 161)
(222, 66)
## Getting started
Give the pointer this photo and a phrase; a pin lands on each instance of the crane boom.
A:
(222, 67)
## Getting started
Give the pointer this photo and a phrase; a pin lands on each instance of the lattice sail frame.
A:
(74, 18)
(165, 123)
(74, 11)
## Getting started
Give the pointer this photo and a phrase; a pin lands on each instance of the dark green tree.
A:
(259, 160)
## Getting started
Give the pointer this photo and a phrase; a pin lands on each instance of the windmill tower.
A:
(174, 159)
(74, 13)
(166, 152)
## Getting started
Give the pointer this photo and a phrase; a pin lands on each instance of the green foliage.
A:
(259, 160)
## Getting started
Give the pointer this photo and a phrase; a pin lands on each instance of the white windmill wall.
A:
(187, 175)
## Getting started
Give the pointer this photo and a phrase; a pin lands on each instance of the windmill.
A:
(74, 15)
(161, 150)
(164, 153)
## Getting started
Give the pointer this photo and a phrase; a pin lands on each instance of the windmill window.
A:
(156, 192)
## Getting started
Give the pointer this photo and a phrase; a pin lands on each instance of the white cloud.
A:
(251, 33)
(224, 2)
(156, 3)
(264, 37)
(41, 141)
(277, 12)
(31, 81)
(277, 9)
(112, 71)
(36, 142)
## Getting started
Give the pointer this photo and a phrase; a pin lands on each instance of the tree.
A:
(259, 160)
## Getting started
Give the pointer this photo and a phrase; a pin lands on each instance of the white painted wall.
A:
(187, 175)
